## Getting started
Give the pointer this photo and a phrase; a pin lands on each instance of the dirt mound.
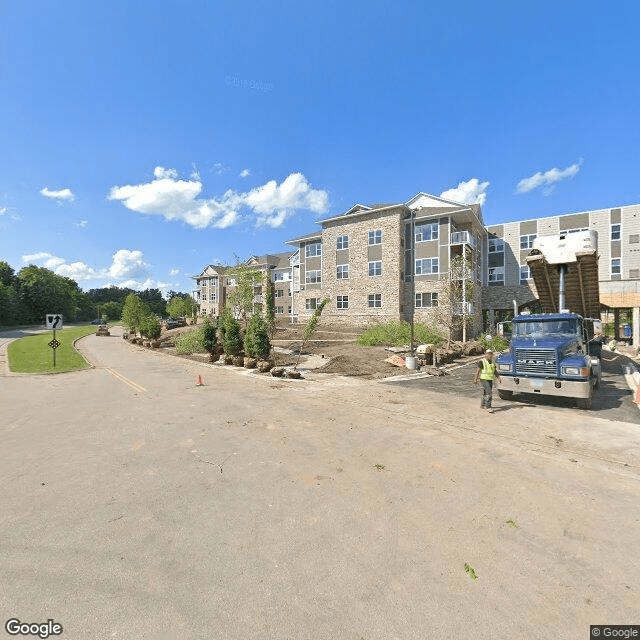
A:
(346, 365)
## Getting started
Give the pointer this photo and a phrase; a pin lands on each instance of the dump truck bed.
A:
(582, 293)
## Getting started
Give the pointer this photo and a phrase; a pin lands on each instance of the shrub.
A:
(256, 338)
(150, 327)
(133, 312)
(399, 333)
(192, 342)
(497, 343)
(231, 342)
(209, 338)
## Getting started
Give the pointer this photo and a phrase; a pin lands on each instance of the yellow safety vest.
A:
(488, 370)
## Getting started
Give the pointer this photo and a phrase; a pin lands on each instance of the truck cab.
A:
(551, 354)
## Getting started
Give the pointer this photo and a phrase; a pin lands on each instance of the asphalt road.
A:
(613, 400)
(136, 505)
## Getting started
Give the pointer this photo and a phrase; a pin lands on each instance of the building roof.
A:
(308, 236)
(271, 260)
(218, 268)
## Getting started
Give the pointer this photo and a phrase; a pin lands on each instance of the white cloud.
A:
(219, 168)
(77, 271)
(62, 195)
(81, 223)
(128, 264)
(174, 272)
(50, 261)
(548, 179)
(177, 199)
(3, 210)
(245, 173)
(470, 192)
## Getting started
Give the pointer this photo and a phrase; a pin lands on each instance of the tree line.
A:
(26, 296)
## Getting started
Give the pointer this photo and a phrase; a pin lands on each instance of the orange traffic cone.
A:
(199, 383)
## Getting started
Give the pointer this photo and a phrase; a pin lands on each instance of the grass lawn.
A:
(33, 354)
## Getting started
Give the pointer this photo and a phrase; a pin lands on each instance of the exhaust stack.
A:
(562, 269)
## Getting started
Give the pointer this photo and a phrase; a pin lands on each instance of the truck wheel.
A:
(585, 403)
(504, 395)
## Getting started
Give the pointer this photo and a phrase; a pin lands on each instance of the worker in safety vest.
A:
(486, 371)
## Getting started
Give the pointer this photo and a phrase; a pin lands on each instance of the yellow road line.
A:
(134, 385)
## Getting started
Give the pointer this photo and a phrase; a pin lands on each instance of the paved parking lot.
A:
(613, 400)
(137, 505)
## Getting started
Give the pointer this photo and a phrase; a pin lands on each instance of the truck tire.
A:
(504, 395)
(585, 403)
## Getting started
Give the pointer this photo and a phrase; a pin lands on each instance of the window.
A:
(342, 302)
(279, 309)
(342, 271)
(615, 266)
(213, 281)
(426, 231)
(313, 250)
(312, 277)
(289, 309)
(424, 300)
(231, 282)
(496, 245)
(212, 297)
(526, 242)
(311, 303)
(425, 266)
(342, 242)
(525, 274)
(496, 274)
(375, 237)
(615, 232)
(375, 268)
(278, 293)
(375, 300)
(278, 276)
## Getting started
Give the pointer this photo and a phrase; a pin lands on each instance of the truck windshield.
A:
(537, 328)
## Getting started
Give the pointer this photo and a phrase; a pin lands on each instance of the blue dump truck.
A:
(558, 352)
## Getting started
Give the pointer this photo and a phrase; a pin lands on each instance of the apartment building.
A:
(375, 262)
(386, 261)
(216, 282)
(508, 244)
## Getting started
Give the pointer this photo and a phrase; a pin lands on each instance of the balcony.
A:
(463, 237)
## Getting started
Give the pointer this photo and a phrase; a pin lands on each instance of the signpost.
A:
(54, 321)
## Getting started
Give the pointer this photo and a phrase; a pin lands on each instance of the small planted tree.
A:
(311, 327)
(210, 339)
(242, 297)
(231, 342)
(270, 311)
(133, 312)
(256, 338)
(150, 327)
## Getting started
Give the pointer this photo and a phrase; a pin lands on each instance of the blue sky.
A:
(140, 141)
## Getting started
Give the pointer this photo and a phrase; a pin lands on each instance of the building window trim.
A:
(526, 241)
(313, 250)
(342, 302)
(374, 237)
(374, 300)
(433, 231)
(616, 234)
(421, 266)
(616, 266)
(317, 278)
(342, 272)
(342, 242)
(426, 300)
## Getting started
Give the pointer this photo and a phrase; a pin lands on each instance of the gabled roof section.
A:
(422, 200)
(210, 270)
(356, 207)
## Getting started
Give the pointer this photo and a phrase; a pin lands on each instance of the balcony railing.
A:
(463, 237)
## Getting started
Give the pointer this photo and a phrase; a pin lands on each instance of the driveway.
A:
(137, 505)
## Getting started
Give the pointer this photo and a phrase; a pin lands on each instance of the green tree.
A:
(311, 327)
(150, 326)
(42, 291)
(133, 312)
(209, 336)
(182, 306)
(256, 338)
(242, 296)
(231, 342)
(7, 274)
(112, 310)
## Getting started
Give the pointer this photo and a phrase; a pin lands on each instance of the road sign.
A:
(54, 344)
(53, 321)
